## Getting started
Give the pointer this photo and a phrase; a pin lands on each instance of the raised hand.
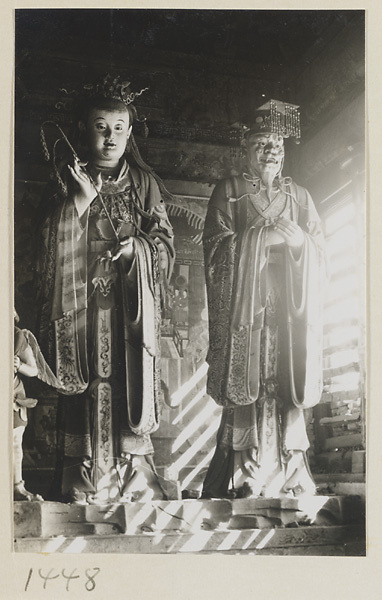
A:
(291, 232)
(125, 248)
(16, 363)
(86, 191)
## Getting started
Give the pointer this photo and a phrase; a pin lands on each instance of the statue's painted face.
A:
(107, 133)
(265, 153)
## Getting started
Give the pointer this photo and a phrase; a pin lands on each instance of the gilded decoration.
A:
(237, 388)
(119, 206)
(65, 348)
(104, 344)
(104, 284)
(105, 421)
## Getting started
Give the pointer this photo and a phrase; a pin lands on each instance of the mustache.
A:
(270, 159)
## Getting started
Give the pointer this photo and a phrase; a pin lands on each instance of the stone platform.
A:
(313, 525)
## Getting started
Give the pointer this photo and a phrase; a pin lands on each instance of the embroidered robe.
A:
(265, 328)
(100, 327)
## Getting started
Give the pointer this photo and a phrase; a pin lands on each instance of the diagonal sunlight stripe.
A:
(157, 538)
(173, 511)
(190, 453)
(190, 405)
(174, 546)
(197, 469)
(139, 518)
(265, 539)
(201, 418)
(228, 542)
(251, 538)
(54, 545)
(77, 546)
(197, 542)
(182, 392)
(236, 476)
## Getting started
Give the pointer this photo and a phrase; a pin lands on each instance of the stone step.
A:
(318, 510)
(40, 519)
(44, 519)
(348, 540)
(343, 488)
(335, 477)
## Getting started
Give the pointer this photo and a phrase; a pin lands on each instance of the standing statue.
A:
(106, 254)
(265, 274)
(28, 361)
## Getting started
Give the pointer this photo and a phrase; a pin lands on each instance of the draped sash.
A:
(141, 330)
(237, 381)
(69, 310)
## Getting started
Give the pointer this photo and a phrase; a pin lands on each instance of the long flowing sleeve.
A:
(306, 279)
(156, 224)
(65, 297)
(143, 286)
(220, 240)
(52, 206)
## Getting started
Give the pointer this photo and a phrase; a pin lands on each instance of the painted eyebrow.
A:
(103, 119)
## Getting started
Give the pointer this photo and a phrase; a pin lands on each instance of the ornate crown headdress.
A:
(108, 87)
(114, 88)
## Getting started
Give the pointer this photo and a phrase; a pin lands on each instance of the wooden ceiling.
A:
(203, 69)
(284, 40)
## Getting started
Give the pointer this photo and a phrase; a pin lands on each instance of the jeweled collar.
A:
(279, 182)
(112, 174)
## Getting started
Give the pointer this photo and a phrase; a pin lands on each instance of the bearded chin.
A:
(256, 170)
(278, 174)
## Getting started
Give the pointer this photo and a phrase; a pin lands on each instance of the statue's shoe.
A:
(26, 402)
(20, 493)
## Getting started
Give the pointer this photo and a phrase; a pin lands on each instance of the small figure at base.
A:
(24, 365)
(28, 361)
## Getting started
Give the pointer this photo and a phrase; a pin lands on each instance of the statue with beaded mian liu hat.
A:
(265, 274)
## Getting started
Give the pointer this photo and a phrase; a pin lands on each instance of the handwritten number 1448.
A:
(90, 575)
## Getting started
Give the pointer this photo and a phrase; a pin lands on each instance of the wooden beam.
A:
(343, 441)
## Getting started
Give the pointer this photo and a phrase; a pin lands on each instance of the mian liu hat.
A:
(274, 116)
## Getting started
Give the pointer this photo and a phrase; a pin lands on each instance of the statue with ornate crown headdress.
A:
(106, 254)
(265, 274)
